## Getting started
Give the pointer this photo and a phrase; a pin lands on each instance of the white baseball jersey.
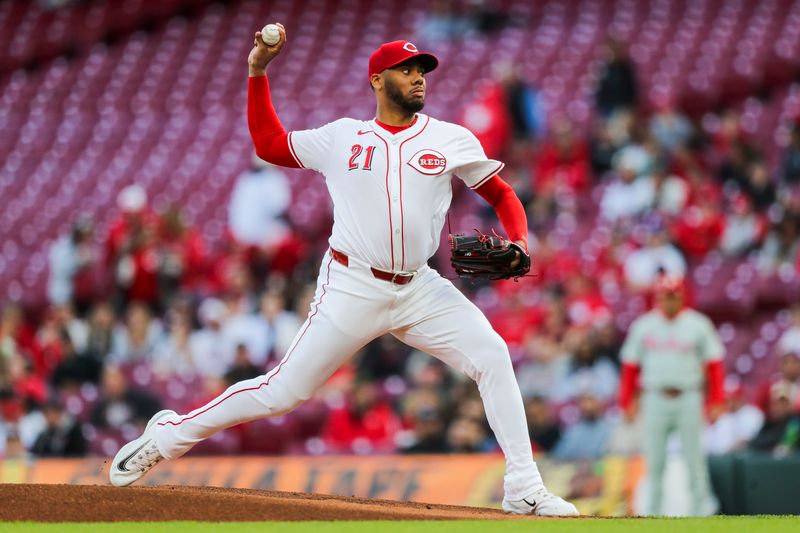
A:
(390, 192)
(390, 195)
(672, 353)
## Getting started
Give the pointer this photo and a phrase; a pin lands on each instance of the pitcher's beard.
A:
(404, 103)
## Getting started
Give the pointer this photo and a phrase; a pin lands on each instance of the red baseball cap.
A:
(391, 54)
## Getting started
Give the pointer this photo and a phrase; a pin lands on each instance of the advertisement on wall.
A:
(601, 487)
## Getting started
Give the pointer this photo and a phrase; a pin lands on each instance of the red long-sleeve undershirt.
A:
(715, 383)
(628, 384)
(506, 204)
(269, 137)
(272, 145)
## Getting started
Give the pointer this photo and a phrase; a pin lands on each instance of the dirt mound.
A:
(97, 503)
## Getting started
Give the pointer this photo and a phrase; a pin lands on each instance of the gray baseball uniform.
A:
(673, 354)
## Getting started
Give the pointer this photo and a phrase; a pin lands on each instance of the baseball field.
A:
(68, 508)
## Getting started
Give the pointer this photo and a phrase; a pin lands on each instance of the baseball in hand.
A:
(270, 35)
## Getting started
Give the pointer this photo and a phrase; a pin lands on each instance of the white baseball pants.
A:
(351, 307)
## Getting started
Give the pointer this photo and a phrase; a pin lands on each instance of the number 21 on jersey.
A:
(357, 149)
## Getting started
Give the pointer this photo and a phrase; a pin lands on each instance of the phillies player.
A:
(390, 181)
(679, 355)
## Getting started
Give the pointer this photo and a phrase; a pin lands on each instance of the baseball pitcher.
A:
(390, 182)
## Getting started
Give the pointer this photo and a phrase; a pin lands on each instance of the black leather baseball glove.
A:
(487, 256)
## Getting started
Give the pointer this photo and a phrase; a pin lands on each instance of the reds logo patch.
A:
(409, 47)
(428, 162)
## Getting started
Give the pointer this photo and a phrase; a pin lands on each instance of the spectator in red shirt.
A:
(364, 424)
(287, 254)
(19, 386)
(488, 119)
(51, 347)
(728, 133)
(17, 339)
(131, 249)
(182, 255)
(137, 273)
(607, 267)
(699, 227)
(554, 263)
(132, 202)
(226, 256)
(514, 321)
(585, 305)
(562, 164)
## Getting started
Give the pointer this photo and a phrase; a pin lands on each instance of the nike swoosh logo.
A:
(529, 503)
(364, 132)
(122, 465)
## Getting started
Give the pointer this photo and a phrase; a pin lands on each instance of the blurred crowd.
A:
(147, 313)
(647, 190)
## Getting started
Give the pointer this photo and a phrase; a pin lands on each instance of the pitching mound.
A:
(97, 503)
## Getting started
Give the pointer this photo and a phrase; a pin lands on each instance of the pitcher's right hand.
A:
(262, 53)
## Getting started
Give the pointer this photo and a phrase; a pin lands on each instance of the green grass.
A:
(753, 524)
